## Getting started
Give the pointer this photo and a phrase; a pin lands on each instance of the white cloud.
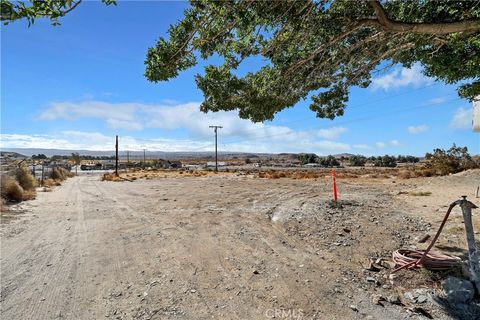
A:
(117, 116)
(332, 133)
(401, 77)
(77, 140)
(236, 135)
(462, 118)
(394, 143)
(417, 129)
(438, 100)
(361, 146)
(294, 142)
(381, 145)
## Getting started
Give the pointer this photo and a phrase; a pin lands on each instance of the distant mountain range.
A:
(155, 154)
(132, 154)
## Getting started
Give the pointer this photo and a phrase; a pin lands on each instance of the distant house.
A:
(212, 163)
(312, 165)
(174, 164)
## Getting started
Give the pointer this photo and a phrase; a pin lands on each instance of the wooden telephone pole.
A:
(116, 155)
(144, 160)
(216, 150)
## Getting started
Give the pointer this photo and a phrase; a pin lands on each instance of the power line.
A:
(361, 119)
(370, 102)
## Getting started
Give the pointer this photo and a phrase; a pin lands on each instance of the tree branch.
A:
(71, 8)
(382, 21)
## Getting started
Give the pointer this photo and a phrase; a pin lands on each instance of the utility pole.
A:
(116, 155)
(143, 158)
(216, 150)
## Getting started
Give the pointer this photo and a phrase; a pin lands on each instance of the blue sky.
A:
(77, 85)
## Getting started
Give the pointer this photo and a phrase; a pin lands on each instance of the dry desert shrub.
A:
(25, 179)
(60, 174)
(425, 172)
(406, 174)
(51, 183)
(29, 195)
(112, 177)
(273, 175)
(11, 190)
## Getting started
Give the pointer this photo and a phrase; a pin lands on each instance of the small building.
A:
(212, 164)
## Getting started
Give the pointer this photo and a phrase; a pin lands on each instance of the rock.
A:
(421, 298)
(388, 264)
(377, 298)
(409, 296)
(193, 291)
(394, 299)
(424, 238)
(256, 272)
(421, 311)
(418, 295)
(458, 290)
(371, 279)
(354, 307)
(373, 267)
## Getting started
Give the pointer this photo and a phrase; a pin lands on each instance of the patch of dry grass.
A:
(419, 193)
(60, 174)
(25, 179)
(29, 195)
(456, 230)
(11, 189)
(49, 183)
(110, 177)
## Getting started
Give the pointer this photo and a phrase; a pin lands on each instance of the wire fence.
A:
(40, 171)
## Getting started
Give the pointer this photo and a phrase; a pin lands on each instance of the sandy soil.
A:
(221, 247)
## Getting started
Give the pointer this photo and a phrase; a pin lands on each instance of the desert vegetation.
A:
(20, 185)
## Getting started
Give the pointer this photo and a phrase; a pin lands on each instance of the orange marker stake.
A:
(335, 196)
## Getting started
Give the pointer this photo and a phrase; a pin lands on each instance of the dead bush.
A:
(49, 183)
(406, 174)
(25, 178)
(29, 195)
(425, 172)
(11, 190)
(112, 177)
(57, 174)
(61, 174)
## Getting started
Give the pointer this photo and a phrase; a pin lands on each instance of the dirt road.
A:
(222, 247)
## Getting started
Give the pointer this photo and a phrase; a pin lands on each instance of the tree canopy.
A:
(313, 49)
(33, 9)
(316, 49)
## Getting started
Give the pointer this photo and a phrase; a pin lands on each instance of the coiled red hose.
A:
(424, 258)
